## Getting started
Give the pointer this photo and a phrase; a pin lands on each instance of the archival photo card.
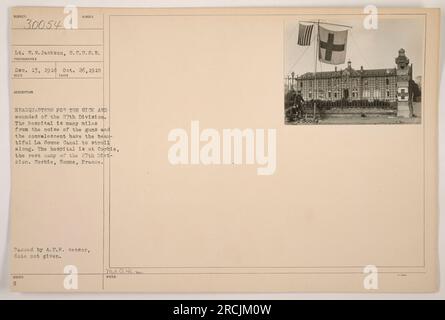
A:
(347, 70)
(149, 151)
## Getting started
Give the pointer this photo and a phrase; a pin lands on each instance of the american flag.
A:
(305, 34)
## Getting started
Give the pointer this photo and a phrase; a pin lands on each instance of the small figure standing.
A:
(298, 105)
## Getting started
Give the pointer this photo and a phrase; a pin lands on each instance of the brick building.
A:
(389, 84)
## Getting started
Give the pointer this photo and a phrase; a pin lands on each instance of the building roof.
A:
(352, 73)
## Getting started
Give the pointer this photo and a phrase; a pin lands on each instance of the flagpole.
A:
(316, 60)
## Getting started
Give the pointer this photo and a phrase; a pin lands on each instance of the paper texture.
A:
(151, 152)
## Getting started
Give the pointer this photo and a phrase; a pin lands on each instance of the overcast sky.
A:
(372, 49)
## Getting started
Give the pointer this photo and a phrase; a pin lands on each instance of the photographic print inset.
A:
(339, 72)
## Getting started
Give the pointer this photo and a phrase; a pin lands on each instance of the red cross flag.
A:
(332, 46)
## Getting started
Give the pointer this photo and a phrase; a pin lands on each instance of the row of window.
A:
(366, 94)
(337, 81)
